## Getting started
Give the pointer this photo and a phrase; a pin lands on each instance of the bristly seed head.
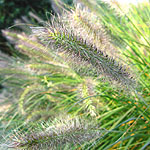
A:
(63, 38)
(57, 134)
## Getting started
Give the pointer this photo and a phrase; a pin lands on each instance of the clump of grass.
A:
(62, 70)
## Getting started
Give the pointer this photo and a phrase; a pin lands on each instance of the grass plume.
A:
(73, 47)
(57, 134)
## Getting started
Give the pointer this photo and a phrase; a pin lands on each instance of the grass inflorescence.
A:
(57, 134)
(77, 50)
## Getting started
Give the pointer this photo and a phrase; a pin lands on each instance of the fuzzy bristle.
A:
(90, 29)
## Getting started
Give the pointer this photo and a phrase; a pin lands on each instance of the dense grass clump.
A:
(91, 65)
